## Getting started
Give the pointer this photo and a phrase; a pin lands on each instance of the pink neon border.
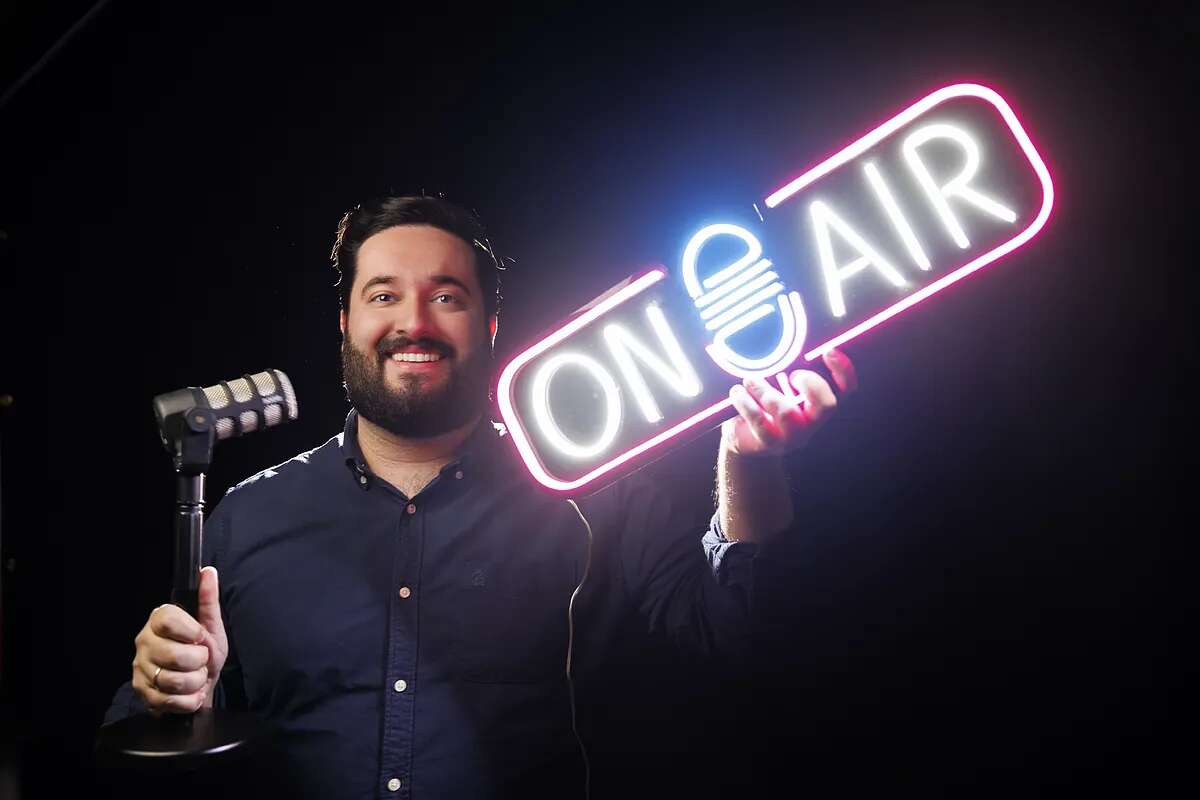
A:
(861, 145)
(509, 415)
(504, 387)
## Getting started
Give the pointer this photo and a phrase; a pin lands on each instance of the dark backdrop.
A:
(981, 591)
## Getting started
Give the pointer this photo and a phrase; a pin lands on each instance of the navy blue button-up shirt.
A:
(416, 647)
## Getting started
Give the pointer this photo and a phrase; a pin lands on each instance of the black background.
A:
(982, 601)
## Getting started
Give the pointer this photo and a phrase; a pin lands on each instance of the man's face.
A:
(415, 357)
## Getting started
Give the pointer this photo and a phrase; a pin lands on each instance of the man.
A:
(401, 600)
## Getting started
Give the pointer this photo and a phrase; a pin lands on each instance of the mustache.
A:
(393, 344)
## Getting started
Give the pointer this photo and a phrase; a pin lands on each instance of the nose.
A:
(414, 319)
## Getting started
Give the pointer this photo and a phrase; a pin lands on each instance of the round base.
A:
(180, 742)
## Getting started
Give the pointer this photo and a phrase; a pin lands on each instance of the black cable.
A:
(79, 25)
(587, 766)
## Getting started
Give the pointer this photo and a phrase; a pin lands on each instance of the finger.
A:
(781, 409)
(172, 703)
(172, 622)
(171, 681)
(842, 370)
(760, 426)
(209, 608)
(216, 652)
(173, 655)
(165, 679)
(820, 400)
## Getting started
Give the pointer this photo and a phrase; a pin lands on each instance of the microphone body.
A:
(244, 405)
(190, 422)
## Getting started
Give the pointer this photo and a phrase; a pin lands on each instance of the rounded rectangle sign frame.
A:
(611, 465)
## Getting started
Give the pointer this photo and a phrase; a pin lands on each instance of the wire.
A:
(587, 766)
(53, 51)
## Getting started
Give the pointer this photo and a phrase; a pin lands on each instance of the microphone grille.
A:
(289, 398)
(216, 396)
(241, 390)
(264, 382)
(249, 421)
(273, 396)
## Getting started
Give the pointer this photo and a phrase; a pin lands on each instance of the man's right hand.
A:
(179, 658)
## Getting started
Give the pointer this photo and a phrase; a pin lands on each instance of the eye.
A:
(445, 297)
(381, 297)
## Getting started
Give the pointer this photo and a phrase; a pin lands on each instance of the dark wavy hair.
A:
(369, 218)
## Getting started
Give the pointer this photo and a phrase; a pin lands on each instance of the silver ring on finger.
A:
(154, 680)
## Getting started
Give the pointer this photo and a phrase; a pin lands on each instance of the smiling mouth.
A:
(415, 358)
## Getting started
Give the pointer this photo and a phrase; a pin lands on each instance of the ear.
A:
(493, 324)
(342, 321)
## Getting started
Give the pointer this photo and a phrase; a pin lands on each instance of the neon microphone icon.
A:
(739, 295)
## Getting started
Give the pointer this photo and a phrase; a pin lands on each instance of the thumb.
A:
(209, 612)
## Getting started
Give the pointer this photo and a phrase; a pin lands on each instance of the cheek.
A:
(366, 333)
(467, 335)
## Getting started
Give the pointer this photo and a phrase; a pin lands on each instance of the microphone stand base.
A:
(177, 742)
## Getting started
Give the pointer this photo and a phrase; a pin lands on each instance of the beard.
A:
(414, 409)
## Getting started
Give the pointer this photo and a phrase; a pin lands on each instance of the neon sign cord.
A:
(79, 25)
(587, 767)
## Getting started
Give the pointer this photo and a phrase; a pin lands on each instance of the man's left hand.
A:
(771, 423)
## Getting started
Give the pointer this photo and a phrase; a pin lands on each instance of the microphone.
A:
(190, 422)
(240, 406)
(252, 402)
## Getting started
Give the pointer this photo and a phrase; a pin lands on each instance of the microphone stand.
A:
(183, 741)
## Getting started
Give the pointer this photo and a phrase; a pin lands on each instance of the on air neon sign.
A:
(942, 189)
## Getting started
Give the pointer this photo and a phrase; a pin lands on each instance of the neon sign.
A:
(947, 186)
(738, 296)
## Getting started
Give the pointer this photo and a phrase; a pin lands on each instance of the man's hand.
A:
(179, 659)
(770, 423)
(754, 501)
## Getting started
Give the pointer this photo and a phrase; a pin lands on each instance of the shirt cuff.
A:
(125, 703)
(728, 559)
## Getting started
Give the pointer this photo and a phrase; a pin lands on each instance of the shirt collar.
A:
(481, 449)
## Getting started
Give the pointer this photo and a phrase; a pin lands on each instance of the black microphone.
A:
(190, 422)
(244, 405)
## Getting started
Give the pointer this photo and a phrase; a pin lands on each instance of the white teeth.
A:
(415, 357)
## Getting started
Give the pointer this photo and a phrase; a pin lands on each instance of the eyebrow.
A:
(388, 280)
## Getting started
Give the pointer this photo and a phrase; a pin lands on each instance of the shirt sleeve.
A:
(693, 586)
(125, 703)
(731, 561)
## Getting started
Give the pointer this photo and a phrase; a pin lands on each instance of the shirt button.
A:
(412, 509)
(393, 784)
(405, 592)
(458, 475)
(400, 685)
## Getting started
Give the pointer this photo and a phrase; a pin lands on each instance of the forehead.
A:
(415, 252)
